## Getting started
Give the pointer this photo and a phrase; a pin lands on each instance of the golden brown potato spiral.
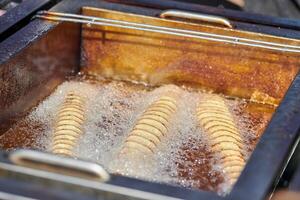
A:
(68, 125)
(218, 123)
(150, 127)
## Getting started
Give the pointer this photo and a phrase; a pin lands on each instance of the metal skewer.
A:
(76, 18)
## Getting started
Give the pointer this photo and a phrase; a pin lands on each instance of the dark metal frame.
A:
(15, 18)
(294, 181)
(290, 179)
(271, 154)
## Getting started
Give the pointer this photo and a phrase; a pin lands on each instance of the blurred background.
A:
(280, 8)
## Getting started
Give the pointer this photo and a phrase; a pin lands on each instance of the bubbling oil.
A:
(183, 157)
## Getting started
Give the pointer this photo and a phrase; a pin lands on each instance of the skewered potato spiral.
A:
(150, 127)
(68, 126)
(216, 120)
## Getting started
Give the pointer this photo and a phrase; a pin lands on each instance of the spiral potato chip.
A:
(150, 127)
(68, 126)
(224, 137)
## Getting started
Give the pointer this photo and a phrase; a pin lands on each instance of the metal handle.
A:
(195, 16)
(60, 165)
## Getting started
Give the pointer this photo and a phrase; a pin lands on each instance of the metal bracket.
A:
(83, 19)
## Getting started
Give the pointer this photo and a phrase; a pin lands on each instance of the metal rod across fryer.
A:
(76, 18)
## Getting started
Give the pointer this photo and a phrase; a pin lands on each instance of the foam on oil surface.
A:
(183, 157)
